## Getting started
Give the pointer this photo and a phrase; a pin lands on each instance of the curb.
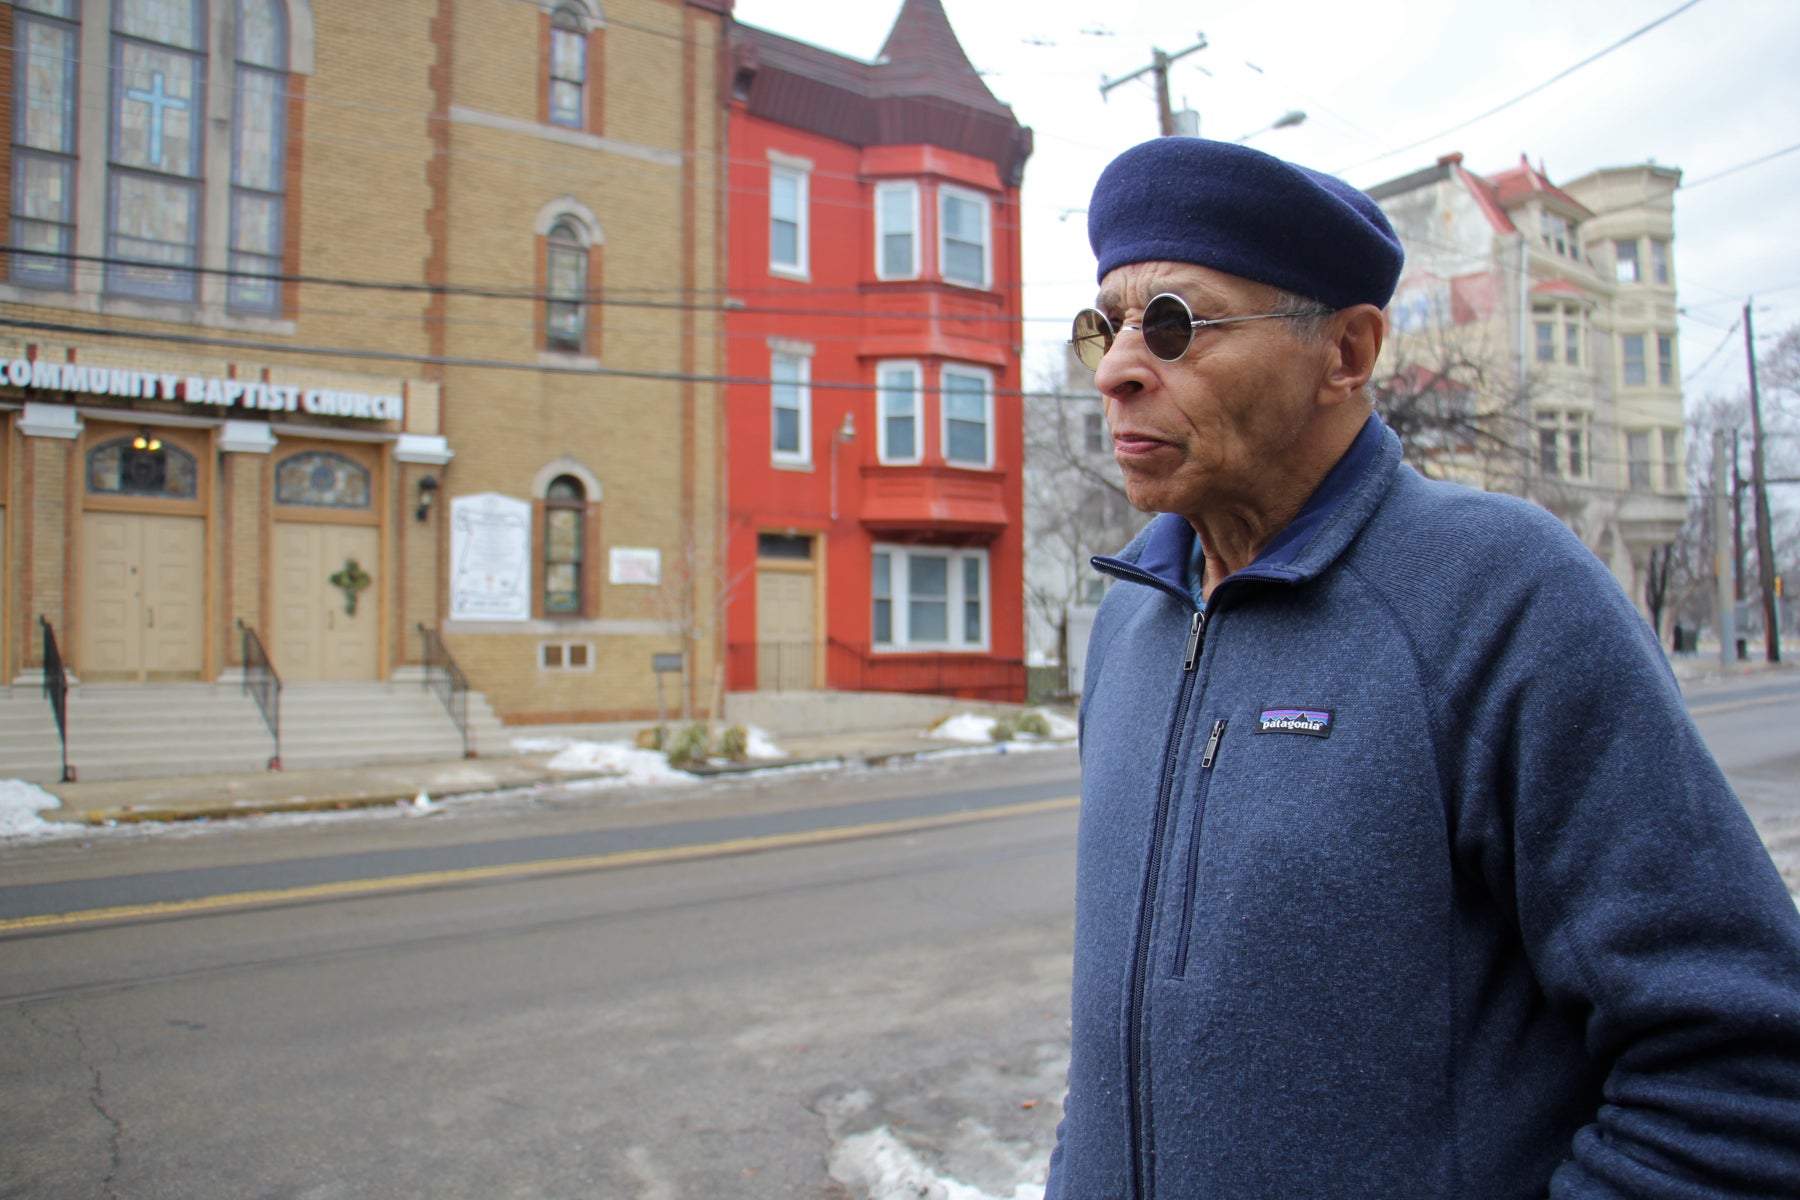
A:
(222, 810)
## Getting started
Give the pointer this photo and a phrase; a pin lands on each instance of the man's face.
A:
(1219, 431)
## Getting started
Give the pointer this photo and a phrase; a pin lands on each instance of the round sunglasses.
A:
(1168, 326)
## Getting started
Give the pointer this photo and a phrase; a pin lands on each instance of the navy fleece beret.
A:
(1238, 210)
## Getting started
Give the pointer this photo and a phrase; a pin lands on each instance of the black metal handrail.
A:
(448, 682)
(264, 686)
(56, 690)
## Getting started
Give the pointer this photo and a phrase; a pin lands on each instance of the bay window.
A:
(963, 237)
(968, 406)
(897, 230)
(898, 396)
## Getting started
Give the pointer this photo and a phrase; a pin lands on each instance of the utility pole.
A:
(1737, 514)
(1159, 64)
(1727, 611)
(1765, 538)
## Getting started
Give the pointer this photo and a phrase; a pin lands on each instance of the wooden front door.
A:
(319, 634)
(142, 599)
(786, 650)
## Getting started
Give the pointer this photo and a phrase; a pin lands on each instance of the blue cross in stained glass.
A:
(158, 100)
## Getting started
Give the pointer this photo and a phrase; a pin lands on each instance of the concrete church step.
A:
(125, 731)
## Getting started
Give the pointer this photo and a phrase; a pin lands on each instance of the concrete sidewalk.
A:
(210, 797)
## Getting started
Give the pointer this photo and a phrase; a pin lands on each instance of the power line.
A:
(1556, 78)
(1707, 361)
(1743, 166)
(445, 360)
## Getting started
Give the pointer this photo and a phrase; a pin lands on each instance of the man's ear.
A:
(1355, 335)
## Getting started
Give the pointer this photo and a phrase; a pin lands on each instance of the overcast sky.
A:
(1712, 88)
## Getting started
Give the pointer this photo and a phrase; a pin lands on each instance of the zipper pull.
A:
(1196, 638)
(1212, 745)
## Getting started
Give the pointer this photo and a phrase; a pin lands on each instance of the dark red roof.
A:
(921, 91)
(1523, 181)
(922, 57)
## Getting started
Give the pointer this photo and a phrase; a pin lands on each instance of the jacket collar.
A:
(1328, 521)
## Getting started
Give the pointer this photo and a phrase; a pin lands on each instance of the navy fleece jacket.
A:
(1404, 873)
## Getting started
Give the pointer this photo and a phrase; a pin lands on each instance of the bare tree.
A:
(1075, 504)
(695, 587)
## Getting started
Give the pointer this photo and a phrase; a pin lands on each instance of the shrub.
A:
(1005, 728)
(650, 738)
(734, 743)
(689, 745)
(1035, 723)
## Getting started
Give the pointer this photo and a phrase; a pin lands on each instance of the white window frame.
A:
(801, 176)
(1569, 444)
(900, 566)
(986, 379)
(946, 194)
(802, 358)
(1094, 436)
(1639, 466)
(1627, 267)
(910, 190)
(1642, 359)
(885, 389)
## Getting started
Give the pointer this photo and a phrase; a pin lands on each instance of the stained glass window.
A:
(565, 510)
(565, 316)
(321, 479)
(122, 468)
(258, 150)
(171, 22)
(158, 98)
(43, 136)
(262, 28)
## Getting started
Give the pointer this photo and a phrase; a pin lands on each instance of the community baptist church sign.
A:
(200, 389)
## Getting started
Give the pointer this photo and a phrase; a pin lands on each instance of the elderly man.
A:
(1402, 870)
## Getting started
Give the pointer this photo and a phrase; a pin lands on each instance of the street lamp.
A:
(1286, 120)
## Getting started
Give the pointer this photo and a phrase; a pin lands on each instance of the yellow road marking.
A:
(1707, 710)
(551, 866)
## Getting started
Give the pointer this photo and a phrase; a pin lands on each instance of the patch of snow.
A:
(877, 1164)
(541, 745)
(758, 745)
(967, 727)
(964, 727)
(618, 762)
(20, 804)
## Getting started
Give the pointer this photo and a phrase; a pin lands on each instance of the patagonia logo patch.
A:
(1313, 722)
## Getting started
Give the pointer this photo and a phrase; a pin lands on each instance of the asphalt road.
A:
(659, 997)
(676, 1024)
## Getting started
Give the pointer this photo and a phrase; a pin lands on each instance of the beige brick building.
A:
(338, 319)
(1532, 345)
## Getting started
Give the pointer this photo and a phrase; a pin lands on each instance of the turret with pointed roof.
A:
(922, 90)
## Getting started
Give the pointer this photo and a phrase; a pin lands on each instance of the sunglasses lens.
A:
(1093, 335)
(1168, 327)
